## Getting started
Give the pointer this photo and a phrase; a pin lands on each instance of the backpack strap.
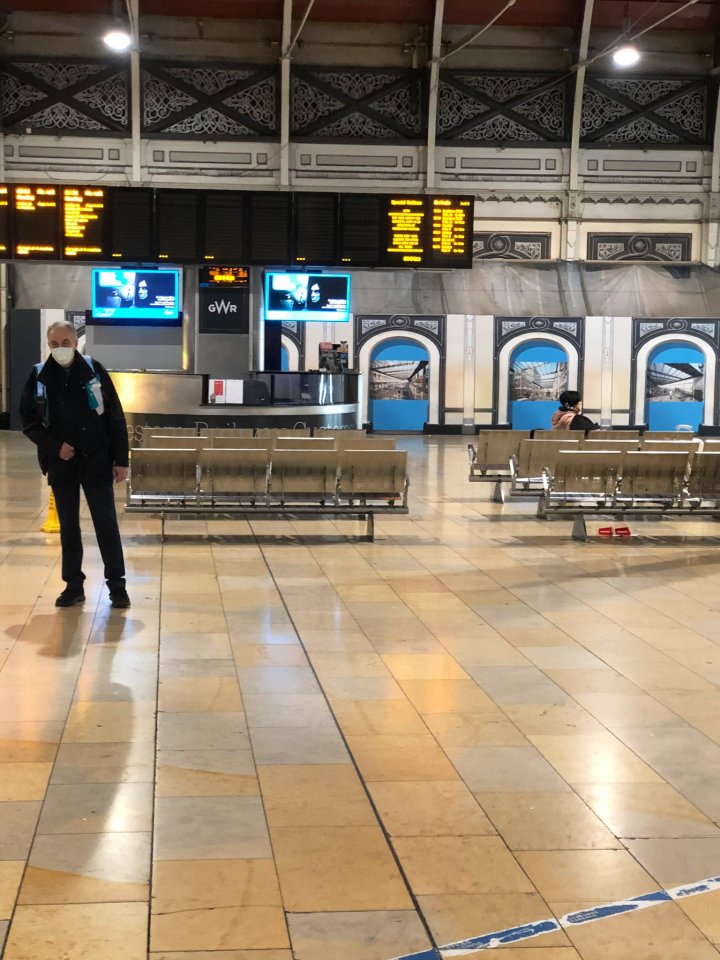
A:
(40, 391)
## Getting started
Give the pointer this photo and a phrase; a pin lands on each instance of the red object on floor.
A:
(622, 531)
(605, 532)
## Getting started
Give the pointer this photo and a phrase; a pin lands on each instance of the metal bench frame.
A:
(270, 504)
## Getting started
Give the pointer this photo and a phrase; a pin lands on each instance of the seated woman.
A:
(570, 415)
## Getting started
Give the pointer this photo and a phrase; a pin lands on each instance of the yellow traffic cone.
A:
(52, 524)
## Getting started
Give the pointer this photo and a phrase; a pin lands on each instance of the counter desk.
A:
(311, 399)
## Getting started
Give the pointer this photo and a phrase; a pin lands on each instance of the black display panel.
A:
(176, 225)
(224, 310)
(362, 229)
(131, 224)
(36, 220)
(269, 229)
(315, 220)
(451, 232)
(4, 222)
(84, 223)
(406, 231)
(224, 224)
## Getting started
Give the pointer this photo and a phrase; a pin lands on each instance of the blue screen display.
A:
(142, 297)
(307, 296)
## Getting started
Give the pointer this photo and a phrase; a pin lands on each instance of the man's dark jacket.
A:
(65, 416)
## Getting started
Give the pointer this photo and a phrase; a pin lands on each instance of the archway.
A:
(398, 388)
(538, 373)
(675, 386)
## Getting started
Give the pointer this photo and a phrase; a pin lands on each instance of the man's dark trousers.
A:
(101, 502)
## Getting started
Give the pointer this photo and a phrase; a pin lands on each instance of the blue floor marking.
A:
(529, 930)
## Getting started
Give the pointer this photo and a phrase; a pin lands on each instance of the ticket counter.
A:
(316, 399)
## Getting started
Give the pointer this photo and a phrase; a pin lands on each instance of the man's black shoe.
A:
(70, 597)
(120, 599)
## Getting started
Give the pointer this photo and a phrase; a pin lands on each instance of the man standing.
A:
(71, 411)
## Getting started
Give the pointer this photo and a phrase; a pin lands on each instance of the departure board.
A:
(280, 228)
(176, 225)
(224, 227)
(362, 229)
(131, 223)
(270, 221)
(315, 229)
(224, 276)
(406, 231)
(83, 213)
(36, 222)
(4, 222)
(451, 229)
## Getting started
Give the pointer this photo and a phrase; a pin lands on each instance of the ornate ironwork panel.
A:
(357, 104)
(704, 328)
(568, 328)
(369, 325)
(502, 108)
(78, 97)
(511, 246)
(645, 110)
(665, 247)
(209, 101)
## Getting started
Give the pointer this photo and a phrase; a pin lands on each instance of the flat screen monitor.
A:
(136, 297)
(324, 297)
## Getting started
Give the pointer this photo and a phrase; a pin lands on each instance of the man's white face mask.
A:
(63, 355)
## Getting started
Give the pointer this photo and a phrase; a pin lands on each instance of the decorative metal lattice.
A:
(511, 246)
(642, 110)
(493, 108)
(662, 247)
(65, 97)
(362, 104)
(207, 101)
(568, 328)
(368, 326)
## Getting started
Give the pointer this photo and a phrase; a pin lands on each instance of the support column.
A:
(468, 424)
(569, 249)
(711, 226)
(436, 50)
(135, 117)
(285, 93)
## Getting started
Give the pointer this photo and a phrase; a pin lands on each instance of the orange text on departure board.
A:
(450, 218)
(35, 200)
(407, 217)
(82, 211)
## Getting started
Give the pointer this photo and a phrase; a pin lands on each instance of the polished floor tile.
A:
(217, 905)
(337, 869)
(113, 931)
(360, 935)
(295, 747)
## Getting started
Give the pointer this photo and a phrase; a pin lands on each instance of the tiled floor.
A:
(295, 747)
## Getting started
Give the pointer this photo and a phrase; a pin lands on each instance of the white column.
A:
(285, 93)
(469, 376)
(573, 213)
(433, 93)
(135, 117)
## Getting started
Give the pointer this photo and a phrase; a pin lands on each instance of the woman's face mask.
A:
(63, 355)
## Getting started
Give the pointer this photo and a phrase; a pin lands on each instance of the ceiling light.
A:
(118, 40)
(626, 56)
